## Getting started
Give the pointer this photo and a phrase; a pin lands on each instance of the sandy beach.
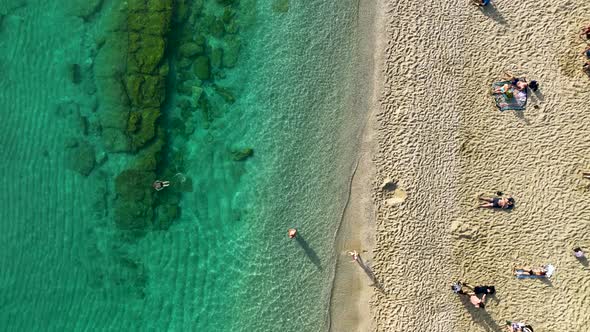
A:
(440, 141)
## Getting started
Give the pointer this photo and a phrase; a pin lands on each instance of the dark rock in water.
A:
(135, 198)
(225, 93)
(216, 57)
(70, 142)
(242, 154)
(167, 213)
(75, 73)
(82, 158)
(231, 52)
(142, 126)
(280, 6)
(201, 68)
(115, 140)
(226, 2)
(189, 50)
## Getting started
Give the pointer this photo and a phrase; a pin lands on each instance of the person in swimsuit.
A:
(159, 185)
(476, 301)
(543, 271)
(585, 33)
(587, 52)
(479, 290)
(292, 233)
(355, 256)
(518, 327)
(586, 68)
(480, 3)
(506, 202)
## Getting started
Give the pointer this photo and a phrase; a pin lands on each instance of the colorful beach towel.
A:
(513, 100)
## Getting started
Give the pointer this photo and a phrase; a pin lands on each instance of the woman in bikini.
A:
(506, 202)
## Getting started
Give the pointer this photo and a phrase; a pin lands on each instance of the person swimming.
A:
(159, 185)
(292, 232)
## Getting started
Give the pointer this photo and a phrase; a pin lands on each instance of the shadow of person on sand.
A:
(311, 254)
(492, 12)
(370, 274)
(583, 261)
(481, 316)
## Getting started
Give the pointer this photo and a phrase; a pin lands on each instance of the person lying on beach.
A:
(479, 290)
(476, 301)
(518, 327)
(587, 52)
(578, 253)
(585, 33)
(519, 83)
(586, 68)
(586, 175)
(506, 202)
(480, 3)
(545, 271)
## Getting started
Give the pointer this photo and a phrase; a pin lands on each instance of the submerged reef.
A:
(159, 72)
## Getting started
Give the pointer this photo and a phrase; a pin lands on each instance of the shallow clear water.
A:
(226, 264)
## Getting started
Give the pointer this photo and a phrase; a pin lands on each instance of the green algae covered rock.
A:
(82, 158)
(190, 49)
(280, 6)
(225, 93)
(242, 154)
(145, 90)
(201, 67)
(145, 53)
(141, 127)
(231, 52)
(135, 198)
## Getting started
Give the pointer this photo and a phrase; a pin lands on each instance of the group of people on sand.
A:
(477, 294)
(585, 35)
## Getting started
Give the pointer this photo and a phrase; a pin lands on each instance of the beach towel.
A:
(516, 102)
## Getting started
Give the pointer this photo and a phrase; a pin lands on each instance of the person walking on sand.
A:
(501, 202)
(159, 185)
(355, 256)
(579, 253)
(292, 233)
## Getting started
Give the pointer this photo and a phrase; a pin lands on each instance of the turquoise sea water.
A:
(226, 263)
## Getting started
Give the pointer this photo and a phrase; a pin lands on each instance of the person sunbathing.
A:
(545, 271)
(479, 290)
(506, 202)
(586, 68)
(481, 3)
(585, 33)
(518, 327)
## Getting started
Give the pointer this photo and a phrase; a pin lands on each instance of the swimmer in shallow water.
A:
(292, 233)
(159, 185)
